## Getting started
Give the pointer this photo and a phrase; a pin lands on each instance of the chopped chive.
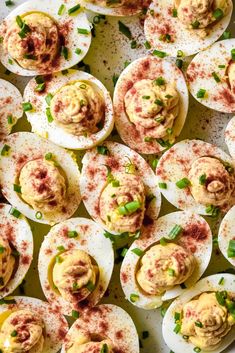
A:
(2, 249)
(115, 79)
(134, 297)
(148, 139)
(133, 44)
(137, 251)
(38, 215)
(14, 333)
(201, 93)
(124, 30)
(198, 324)
(83, 31)
(27, 106)
(74, 9)
(90, 286)
(233, 54)
(183, 183)
(64, 52)
(177, 317)
(39, 79)
(58, 259)
(9, 3)
(160, 54)
(126, 63)
(216, 77)
(169, 131)
(159, 102)
(226, 35)
(160, 119)
(19, 21)
(221, 281)
(72, 234)
(197, 349)
(213, 210)
(171, 272)
(150, 197)
(179, 63)
(78, 51)
(180, 53)
(163, 310)
(163, 143)
(221, 297)
(60, 248)
(155, 163)
(177, 328)
(10, 119)
(145, 97)
(159, 81)
(129, 208)
(5, 150)
(147, 45)
(30, 57)
(40, 87)
(61, 9)
(231, 248)
(174, 13)
(218, 14)
(115, 183)
(105, 348)
(75, 314)
(124, 252)
(49, 116)
(162, 185)
(82, 86)
(103, 150)
(163, 241)
(48, 156)
(221, 66)
(195, 24)
(202, 179)
(7, 301)
(17, 188)
(24, 30)
(14, 212)
(175, 231)
(10, 61)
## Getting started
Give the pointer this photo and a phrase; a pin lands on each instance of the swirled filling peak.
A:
(213, 321)
(74, 274)
(163, 267)
(211, 182)
(78, 108)
(22, 332)
(122, 203)
(152, 105)
(84, 342)
(32, 40)
(7, 262)
(43, 186)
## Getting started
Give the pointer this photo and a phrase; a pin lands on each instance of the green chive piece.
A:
(19, 21)
(179, 63)
(61, 248)
(159, 102)
(104, 349)
(115, 79)
(61, 10)
(171, 272)
(163, 143)
(147, 45)
(17, 188)
(75, 314)
(48, 156)
(162, 185)
(126, 63)
(231, 248)
(133, 44)
(49, 116)
(155, 163)
(160, 81)
(90, 286)
(58, 259)
(2, 249)
(9, 3)
(169, 131)
(124, 30)
(163, 241)
(201, 93)
(221, 66)
(180, 53)
(64, 52)
(115, 183)
(10, 61)
(175, 231)
(124, 252)
(195, 24)
(226, 35)
(221, 281)
(202, 179)
(233, 54)
(74, 9)
(218, 14)
(10, 119)
(38, 215)
(83, 31)
(146, 97)
(27, 106)
(7, 301)
(39, 79)
(177, 328)
(137, 251)
(183, 183)
(160, 54)
(174, 13)
(14, 212)
(103, 150)
(134, 297)
(30, 57)
(163, 310)
(213, 210)
(197, 349)
(24, 30)
(40, 87)
(14, 333)
(72, 234)
(198, 324)
(129, 208)
(221, 297)
(148, 139)
(177, 317)
(5, 150)
(216, 77)
(78, 51)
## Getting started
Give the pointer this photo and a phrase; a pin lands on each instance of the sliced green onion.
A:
(129, 208)
(38, 215)
(7, 301)
(9, 3)
(160, 81)
(10, 119)
(58, 259)
(198, 324)
(197, 349)
(72, 234)
(40, 87)
(5, 150)
(124, 252)
(115, 183)
(231, 248)
(195, 24)
(74, 9)
(19, 21)
(83, 31)
(75, 314)
(2, 249)
(177, 317)
(202, 179)
(78, 51)
(124, 30)
(90, 286)
(221, 281)
(180, 53)
(133, 44)
(126, 63)
(17, 188)
(147, 45)
(134, 297)
(48, 156)
(160, 54)
(10, 61)
(159, 102)
(171, 272)
(61, 9)
(162, 185)
(137, 251)
(30, 57)
(177, 328)
(49, 116)
(226, 35)
(27, 106)
(213, 210)
(39, 79)
(233, 54)
(115, 79)
(145, 97)
(179, 63)
(14, 212)
(163, 241)
(103, 150)
(218, 14)
(14, 333)
(155, 163)
(175, 231)
(148, 139)
(24, 30)
(61, 248)
(183, 183)
(64, 52)
(221, 297)
(216, 77)
(163, 143)
(169, 131)
(201, 93)
(104, 349)
(174, 13)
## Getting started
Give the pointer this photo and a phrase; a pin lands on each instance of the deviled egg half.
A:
(40, 179)
(10, 107)
(73, 110)
(211, 76)
(202, 319)
(197, 176)
(160, 266)
(105, 328)
(185, 27)
(226, 236)
(116, 7)
(119, 189)
(150, 104)
(75, 265)
(16, 249)
(44, 37)
(30, 325)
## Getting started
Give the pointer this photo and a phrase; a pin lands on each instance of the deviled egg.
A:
(75, 265)
(202, 318)
(197, 176)
(30, 325)
(226, 236)
(16, 249)
(150, 104)
(116, 7)
(74, 109)
(40, 179)
(119, 189)
(185, 27)
(230, 137)
(211, 76)
(105, 328)
(10, 107)
(159, 266)
(44, 37)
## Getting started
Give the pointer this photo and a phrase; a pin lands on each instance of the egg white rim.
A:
(230, 137)
(227, 233)
(104, 10)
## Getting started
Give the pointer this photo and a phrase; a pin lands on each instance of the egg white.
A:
(173, 165)
(230, 137)
(31, 147)
(199, 76)
(54, 322)
(23, 243)
(118, 322)
(163, 227)
(207, 284)
(227, 233)
(109, 11)
(13, 108)
(91, 240)
(148, 68)
(53, 131)
(92, 184)
(75, 40)
(188, 41)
